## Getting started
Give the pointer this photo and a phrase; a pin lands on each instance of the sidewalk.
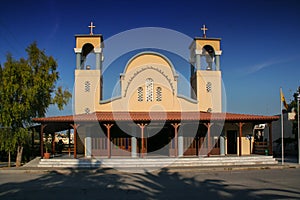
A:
(291, 161)
(5, 164)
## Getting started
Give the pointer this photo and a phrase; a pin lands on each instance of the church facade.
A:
(150, 118)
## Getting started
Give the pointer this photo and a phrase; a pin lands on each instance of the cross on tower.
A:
(91, 28)
(204, 29)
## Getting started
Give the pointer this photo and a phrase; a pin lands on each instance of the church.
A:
(149, 118)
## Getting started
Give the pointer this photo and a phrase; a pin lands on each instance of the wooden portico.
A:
(176, 128)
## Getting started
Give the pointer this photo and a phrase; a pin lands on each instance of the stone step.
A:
(160, 159)
(153, 165)
(159, 164)
(145, 161)
(152, 162)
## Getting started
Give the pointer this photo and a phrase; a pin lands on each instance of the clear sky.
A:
(260, 39)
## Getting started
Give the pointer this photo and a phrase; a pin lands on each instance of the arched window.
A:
(140, 94)
(149, 89)
(158, 94)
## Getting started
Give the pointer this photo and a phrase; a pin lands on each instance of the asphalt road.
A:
(109, 184)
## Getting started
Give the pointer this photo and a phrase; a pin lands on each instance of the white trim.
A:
(77, 50)
(110, 100)
(187, 98)
(198, 52)
(97, 50)
(218, 53)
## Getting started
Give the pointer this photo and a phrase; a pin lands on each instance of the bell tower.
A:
(88, 79)
(206, 79)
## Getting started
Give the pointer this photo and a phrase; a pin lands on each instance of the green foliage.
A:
(293, 104)
(48, 142)
(7, 140)
(28, 87)
(293, 107)
(61, 98)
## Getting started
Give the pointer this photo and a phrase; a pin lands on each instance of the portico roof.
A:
(156, 116)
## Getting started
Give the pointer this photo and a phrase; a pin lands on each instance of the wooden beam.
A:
(53, 143)
(32, 141)
(240, 137)
(208, 126)
(108, 126)
(176, 125)
(143, 148)
(69, 148)
(42, 139)
(270, 139)
(75, 127)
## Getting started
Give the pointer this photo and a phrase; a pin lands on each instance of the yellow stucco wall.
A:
(141, 67)
(147, 58)
(95, 41)
(162, 73)
(212, 99)
(245, 146)
(247, 130)
(85, 99)
(214, 43)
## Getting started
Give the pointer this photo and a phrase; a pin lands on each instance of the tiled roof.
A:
(156, 116)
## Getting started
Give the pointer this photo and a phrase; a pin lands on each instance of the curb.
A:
(235, 168)
(37, 170)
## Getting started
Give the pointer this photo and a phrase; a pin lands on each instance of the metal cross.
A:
(91, 27)
(204, 29)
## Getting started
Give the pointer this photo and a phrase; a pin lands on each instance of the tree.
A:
(7, 142)
(293, 108)
(28, 87)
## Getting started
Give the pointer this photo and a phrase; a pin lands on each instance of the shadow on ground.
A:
(110, 184)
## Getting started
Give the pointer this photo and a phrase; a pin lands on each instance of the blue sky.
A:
(260, 39)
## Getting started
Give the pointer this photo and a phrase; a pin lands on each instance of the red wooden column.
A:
(142, 126)
(32, 140)
(108, 126)
(53, 144)
(208, 125)
(69, 148)
(42, 139)
(176, 125)
(270, 139)
(240, 137)
(75, 127)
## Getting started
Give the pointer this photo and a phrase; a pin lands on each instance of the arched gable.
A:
(149, 57)
(148, 83)
(145, 65)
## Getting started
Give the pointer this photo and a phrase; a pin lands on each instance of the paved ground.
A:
(104, 184)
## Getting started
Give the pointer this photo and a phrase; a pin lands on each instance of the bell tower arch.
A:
(88, 79)
(206, 79)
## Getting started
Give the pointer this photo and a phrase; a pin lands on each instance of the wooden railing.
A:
(260, 148)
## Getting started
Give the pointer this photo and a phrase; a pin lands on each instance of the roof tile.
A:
(156, 116)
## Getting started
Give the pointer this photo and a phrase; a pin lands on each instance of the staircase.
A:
(260, 147)
(157, 163)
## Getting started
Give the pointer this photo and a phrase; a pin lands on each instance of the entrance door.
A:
(157, 141)
(231, 142)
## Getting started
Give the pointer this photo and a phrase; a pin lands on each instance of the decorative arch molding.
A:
(148, 68)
